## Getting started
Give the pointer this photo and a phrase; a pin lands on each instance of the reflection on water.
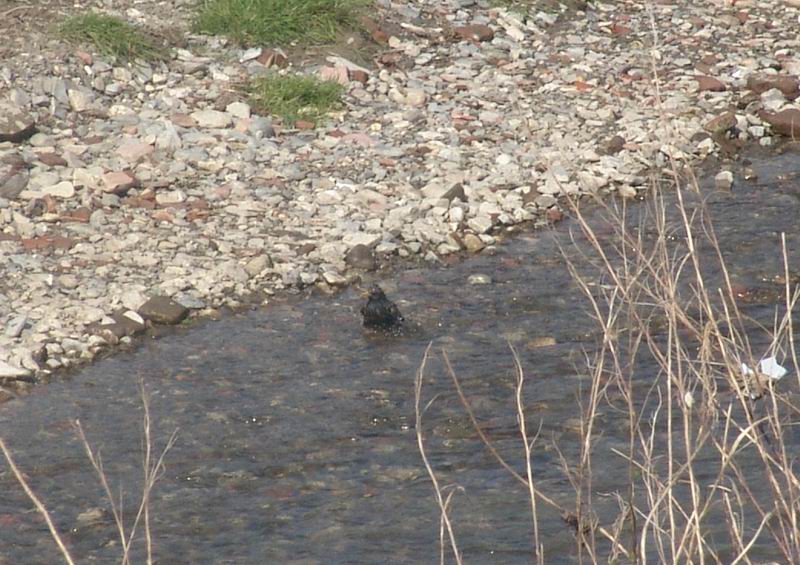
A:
(296, 439)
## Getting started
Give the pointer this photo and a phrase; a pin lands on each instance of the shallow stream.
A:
(296, 439)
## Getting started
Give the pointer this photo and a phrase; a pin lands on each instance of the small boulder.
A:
(709, 84)
(475, 32)
(163, 310)
(788, 85)
(360, 257)
(723, 180)
(786, 122)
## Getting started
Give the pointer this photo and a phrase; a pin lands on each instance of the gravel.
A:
(160, 185)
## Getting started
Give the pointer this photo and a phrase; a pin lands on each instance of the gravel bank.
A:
(153, 192)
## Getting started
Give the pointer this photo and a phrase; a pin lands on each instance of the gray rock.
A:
(15, 326)
(189, 300)
(261, 127)
(361, 257)
(12, 185)
(249, 54)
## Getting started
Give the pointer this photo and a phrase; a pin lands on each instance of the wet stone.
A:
(723, 180)
(473, 243)
(163, 310)
(361, 257)
(479, 278)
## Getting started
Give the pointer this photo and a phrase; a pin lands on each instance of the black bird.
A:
(380, 313)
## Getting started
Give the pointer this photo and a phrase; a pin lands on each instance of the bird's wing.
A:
(396, 312)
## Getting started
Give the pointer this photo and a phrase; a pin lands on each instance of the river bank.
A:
(152, 192)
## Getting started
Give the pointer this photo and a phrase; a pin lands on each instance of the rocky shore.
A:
(152, 191)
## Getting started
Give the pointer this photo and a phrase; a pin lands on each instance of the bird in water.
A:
(380, 313)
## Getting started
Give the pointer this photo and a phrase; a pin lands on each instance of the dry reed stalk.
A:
(40, 507)
(152, 472)
(527, 445)
(575, 520)
(655, 274)
(421, 445)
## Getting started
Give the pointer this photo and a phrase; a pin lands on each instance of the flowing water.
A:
(296, 439)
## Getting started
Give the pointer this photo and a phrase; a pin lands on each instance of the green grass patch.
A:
(110, 36)
(293, 97)
(278, 22)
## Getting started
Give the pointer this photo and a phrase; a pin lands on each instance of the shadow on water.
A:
(296, 433)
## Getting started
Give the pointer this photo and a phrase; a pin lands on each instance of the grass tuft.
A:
(110, 36)
(294, 97)
(278, 22)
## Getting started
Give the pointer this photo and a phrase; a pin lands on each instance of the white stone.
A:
(238, 109)
(63, 189)
(480, 224)
(170, 197)
(415, 97)
(361, 238)
(256, 265)
(334, 279)
(78, 99)
(211, 119)
(773, 100)
(10, 371)
(250, 54)
(134, 316)
(723, 180)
